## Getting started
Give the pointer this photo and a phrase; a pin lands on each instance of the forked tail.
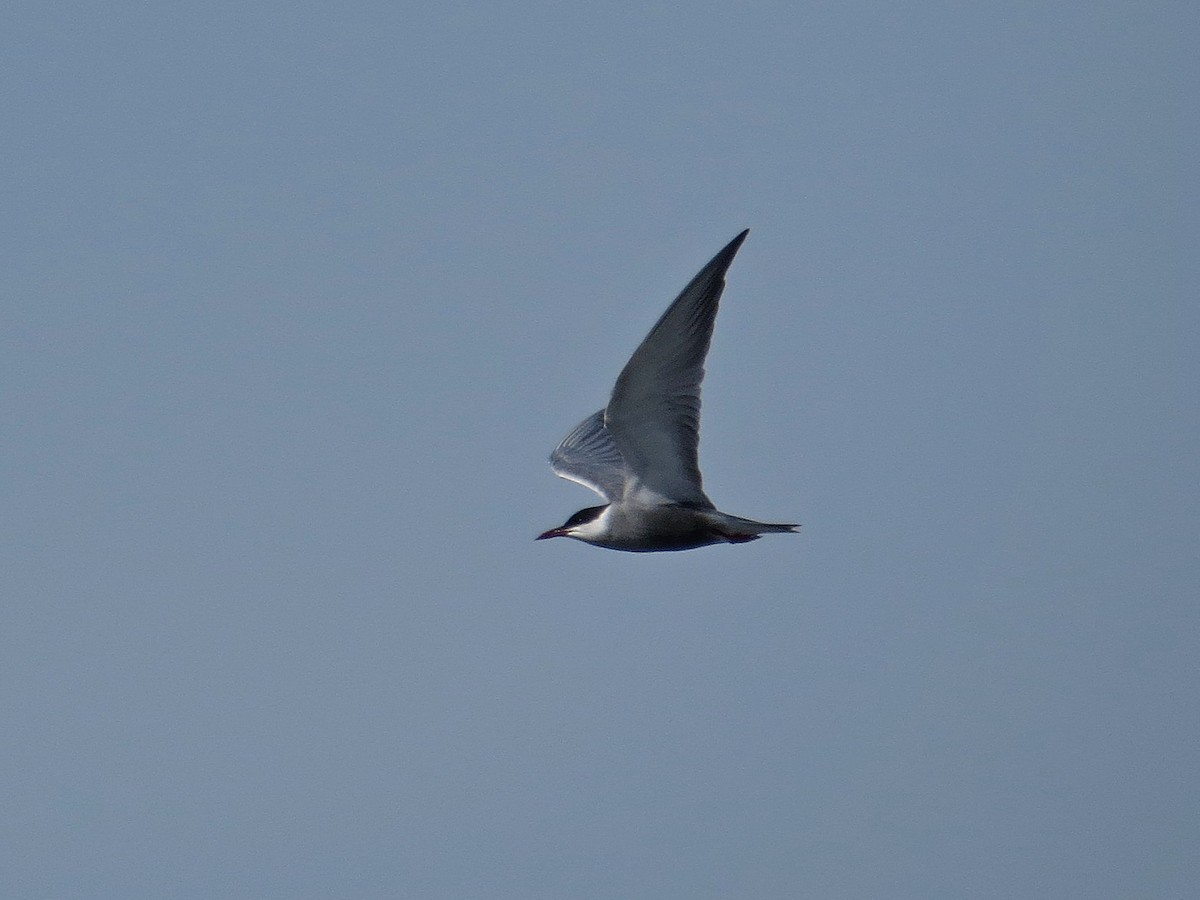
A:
(738, 530)
(773, 527)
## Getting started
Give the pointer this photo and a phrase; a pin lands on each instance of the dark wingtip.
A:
(719, 263)
(733, 246)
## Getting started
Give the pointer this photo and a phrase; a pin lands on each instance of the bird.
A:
(641, 452)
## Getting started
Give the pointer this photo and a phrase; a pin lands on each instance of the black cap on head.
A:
(584, 515)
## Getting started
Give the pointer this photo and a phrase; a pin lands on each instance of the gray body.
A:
(640, 453)
(646, 529)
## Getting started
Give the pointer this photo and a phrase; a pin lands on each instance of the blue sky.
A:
(298, 297)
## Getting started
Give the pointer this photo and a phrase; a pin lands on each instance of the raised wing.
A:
(654, 412)
(589, 457)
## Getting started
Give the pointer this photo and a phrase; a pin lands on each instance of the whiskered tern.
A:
(640, 453)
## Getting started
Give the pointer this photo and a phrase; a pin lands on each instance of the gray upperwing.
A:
(654, 412)
(589, 457)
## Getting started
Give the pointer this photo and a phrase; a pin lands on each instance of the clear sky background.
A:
(296, 299)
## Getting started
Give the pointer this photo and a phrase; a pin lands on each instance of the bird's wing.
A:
(654, 412)
(589, 457)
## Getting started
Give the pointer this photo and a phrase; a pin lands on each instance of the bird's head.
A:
(584, 524)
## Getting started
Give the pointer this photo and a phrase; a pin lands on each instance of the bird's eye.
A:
(584, 515)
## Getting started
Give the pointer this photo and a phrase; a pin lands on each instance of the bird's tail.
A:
(738, 530)
(773, 527)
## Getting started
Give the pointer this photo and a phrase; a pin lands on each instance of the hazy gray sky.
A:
(296, 299)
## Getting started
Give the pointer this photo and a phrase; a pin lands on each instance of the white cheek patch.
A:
(595, 528)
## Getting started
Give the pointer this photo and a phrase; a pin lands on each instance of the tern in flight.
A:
(640, 452)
